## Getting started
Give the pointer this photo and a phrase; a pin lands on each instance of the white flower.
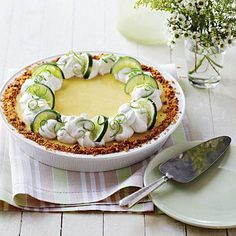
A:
(174, 15)
(187, 24)
(177, 35)
(181, 18)
(196, 36)
(201, 3)
(186, 34)
(222, 46)
(174, 28)
(190, 6)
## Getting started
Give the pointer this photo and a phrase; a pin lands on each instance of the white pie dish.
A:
(89, 163)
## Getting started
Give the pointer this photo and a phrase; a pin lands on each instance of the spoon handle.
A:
(143, 192)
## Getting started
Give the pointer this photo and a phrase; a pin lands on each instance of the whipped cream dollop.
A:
(49, 80)
(140, 123)
(77, 129)
(117, 131)
(119, 126)
(75, 126)
(64, 137)
(136, 118)
(70, 65)
(26, 84)
(148, 92)
(126, 132)
(45, 78)
(123, 75)
(105, 63)
(126, 73)
(86, 141)
(48, 130)
(31, 106)
(128, 112)
(25, 98)
(109, 135)
(94, 71)
(126, 122)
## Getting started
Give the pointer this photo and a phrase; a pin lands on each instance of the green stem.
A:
(216, 64)
(212, 65)
(197, 65)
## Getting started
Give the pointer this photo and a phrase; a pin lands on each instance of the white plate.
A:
(209, 201)
(89, 163)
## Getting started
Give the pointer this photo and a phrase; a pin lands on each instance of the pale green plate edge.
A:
(178, 148)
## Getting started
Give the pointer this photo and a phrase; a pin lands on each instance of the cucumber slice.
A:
(151, 110)
(101, 124)
(42, 117)
(42, 91)
(87, 62)
(48, 67)
(125, 62)
(140, 79)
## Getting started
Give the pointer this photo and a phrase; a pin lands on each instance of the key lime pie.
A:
(90, 104)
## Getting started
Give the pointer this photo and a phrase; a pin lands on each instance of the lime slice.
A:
(42, 91)
(125, 62)
(50, 68)
(41, 118)
(101, 124)
(139, 80)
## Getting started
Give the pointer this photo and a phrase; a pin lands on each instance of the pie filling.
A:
(92, 105)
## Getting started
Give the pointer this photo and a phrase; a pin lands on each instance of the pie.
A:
(90, 104)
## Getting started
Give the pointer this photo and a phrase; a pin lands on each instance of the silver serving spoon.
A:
(185, 167)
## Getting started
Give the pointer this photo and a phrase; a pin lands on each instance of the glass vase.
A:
(204, 65)
(141, 24)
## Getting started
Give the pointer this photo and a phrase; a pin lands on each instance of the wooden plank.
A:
(196, 231)
(231, 232)
(82, 224)
(24, 39)
(123, 224)
(57, 28)
(46, 224)
(163, 225)
(24, 48)
(89, 25)
(6, 11)
(10, 223)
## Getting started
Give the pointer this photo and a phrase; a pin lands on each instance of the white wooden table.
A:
(33, 29)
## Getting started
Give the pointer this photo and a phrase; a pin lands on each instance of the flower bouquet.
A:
(208, 27)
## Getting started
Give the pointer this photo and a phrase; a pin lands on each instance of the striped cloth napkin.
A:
(30, 185)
